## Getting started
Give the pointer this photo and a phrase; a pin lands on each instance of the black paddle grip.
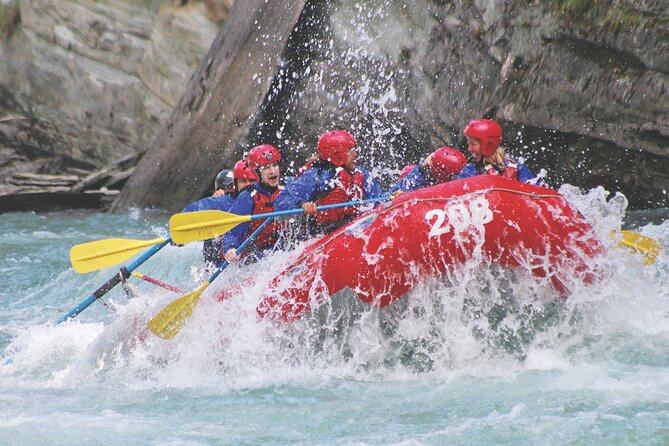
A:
(111, 283)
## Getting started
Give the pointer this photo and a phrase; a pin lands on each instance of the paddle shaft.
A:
(241, 248)
(111, 283)
(156, 282)
(169, 321)
(203, 225)
(235, 220)
(322, 208)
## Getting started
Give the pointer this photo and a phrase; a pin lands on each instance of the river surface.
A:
(493, 359)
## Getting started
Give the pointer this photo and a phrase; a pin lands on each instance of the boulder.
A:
(579, 87)
(217, 109)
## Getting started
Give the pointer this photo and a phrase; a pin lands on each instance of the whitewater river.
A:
(489, 358)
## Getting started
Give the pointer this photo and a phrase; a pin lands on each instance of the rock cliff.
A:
(579, 86)
(87, 84)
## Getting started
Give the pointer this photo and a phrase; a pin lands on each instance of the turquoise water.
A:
(484, 357)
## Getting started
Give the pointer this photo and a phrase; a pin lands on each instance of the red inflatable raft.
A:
(387, 251)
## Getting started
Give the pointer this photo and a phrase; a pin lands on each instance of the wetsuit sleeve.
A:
(194, 206)
(297, 192)
(372, 187)
(243, 205)
(221, 203)
(524, 173)
(415, 179)
(469, 170)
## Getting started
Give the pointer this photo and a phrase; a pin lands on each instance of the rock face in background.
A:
(216, 110)
(579, 86)
(580, 89)
(85, 85)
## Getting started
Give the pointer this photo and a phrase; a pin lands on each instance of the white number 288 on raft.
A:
(459, 216)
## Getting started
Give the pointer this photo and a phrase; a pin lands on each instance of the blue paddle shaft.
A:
(270, 215)
(322, 208)
(241, 248)
(111, 283)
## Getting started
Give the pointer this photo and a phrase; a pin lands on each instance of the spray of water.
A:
(478, 318)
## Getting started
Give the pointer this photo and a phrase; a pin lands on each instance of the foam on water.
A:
(482, 354)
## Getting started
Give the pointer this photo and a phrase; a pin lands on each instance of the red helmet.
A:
(406, 170)
(488, 131)
(263, 155)
(332, 146)
(446, 162)
(243, 171)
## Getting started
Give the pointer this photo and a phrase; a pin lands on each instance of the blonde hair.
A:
(498, 158)
(313, 157)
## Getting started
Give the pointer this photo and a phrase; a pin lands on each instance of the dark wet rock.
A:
(52, 201)
(79, 189)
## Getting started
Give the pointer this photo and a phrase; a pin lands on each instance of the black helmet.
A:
(223, 179)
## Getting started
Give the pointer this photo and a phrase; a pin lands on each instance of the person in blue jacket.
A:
(259, 199)
(484, 137)
(331, 177)
(228, 185)
(442, 165)
(223, 187)
(406, 169)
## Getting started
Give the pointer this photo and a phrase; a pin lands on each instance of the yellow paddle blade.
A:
(169, 321)
(99, 254)
(203, 225)
(636, 242)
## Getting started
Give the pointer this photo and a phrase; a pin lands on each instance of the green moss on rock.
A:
(605, 14)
